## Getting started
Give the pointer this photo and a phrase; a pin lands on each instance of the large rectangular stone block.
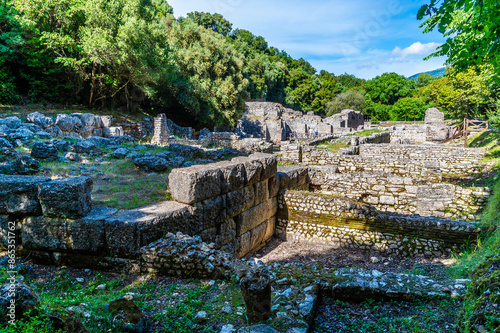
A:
(254, 239)
(261, 191)
(196, 183)
(254, 216)
(66, 197)
(253, 169)
(233, 176)
(226, 233)
(19, 194)
(210, 212)
(269, 164)
(128, 231)
(85, 235)
(239, 201)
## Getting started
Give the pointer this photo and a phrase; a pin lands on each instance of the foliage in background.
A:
(472, 28)
(351, 99)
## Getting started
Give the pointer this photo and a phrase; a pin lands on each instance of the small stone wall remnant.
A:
(434, 117)
(161, 132)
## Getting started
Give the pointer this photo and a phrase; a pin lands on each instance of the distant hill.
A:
(437, 73)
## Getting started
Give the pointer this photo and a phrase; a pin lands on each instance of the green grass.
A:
(336, 146)
(366, 133)
(126, 186)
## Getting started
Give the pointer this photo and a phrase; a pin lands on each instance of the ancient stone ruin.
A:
(273, 122)
(377, 194)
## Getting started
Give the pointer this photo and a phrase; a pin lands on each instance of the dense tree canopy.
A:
(472, 28)
(134, 54)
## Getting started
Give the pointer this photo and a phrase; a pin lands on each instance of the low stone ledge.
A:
(19, 194)
(66, 197)
(293, 177)
(128, 231)
(84, 235)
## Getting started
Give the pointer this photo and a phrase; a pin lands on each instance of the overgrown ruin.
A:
(377, 194)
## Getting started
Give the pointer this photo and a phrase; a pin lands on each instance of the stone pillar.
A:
(256, 291)
(161, 132)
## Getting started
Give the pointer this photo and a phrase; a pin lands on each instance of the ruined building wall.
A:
(338, 222)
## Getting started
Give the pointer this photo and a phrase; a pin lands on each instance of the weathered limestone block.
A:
(225, 233)
(292, 176)
(209, 212)
(66, 197)
(274, 187)
(85, 235)
(269, 164)
(113, 131)
(233, 176)
(253, 169)
(196, 183)
(19, 194)
(127, 231)
(255, 216)
(434, 116)
(261, 192)
(239, 201)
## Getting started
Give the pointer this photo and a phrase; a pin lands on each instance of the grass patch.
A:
(367, 132)
(335, 146)
(117, 183)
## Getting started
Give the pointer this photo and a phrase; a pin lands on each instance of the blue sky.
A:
(364, 38)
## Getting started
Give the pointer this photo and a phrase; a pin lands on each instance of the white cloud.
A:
(415, 49)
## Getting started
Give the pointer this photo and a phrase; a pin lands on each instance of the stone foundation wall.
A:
(429, 152)
(455, 161)
(338, 222)
(230, 204)
(405, 195)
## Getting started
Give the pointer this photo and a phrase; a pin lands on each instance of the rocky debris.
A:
(26, 165)
(201, 317)
(66, 197)
(126, 313)
(4, 143)
(25, 301)
(40, 120)
(44, 151)
(99, 141)
(84, 147)
(151, 163)
(11, 122)
(181, 255)
(178, 162)
(188, 152)
(120, 153)
(22, 134)
(256, 290)
(73, 157)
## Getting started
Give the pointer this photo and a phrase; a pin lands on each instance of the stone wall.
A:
(339, 222)
(391, 158)
(420, 133)
(230, 204)
(405, 195)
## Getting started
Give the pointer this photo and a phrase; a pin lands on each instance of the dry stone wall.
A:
(339, 222)
(397, 159)
(405, 195)
(230, 204)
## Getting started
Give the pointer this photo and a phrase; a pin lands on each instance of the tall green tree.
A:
(208, 79)
(350, 99)
(216, 22)
(388, 88)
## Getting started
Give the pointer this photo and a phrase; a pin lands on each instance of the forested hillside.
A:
(134, 55)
